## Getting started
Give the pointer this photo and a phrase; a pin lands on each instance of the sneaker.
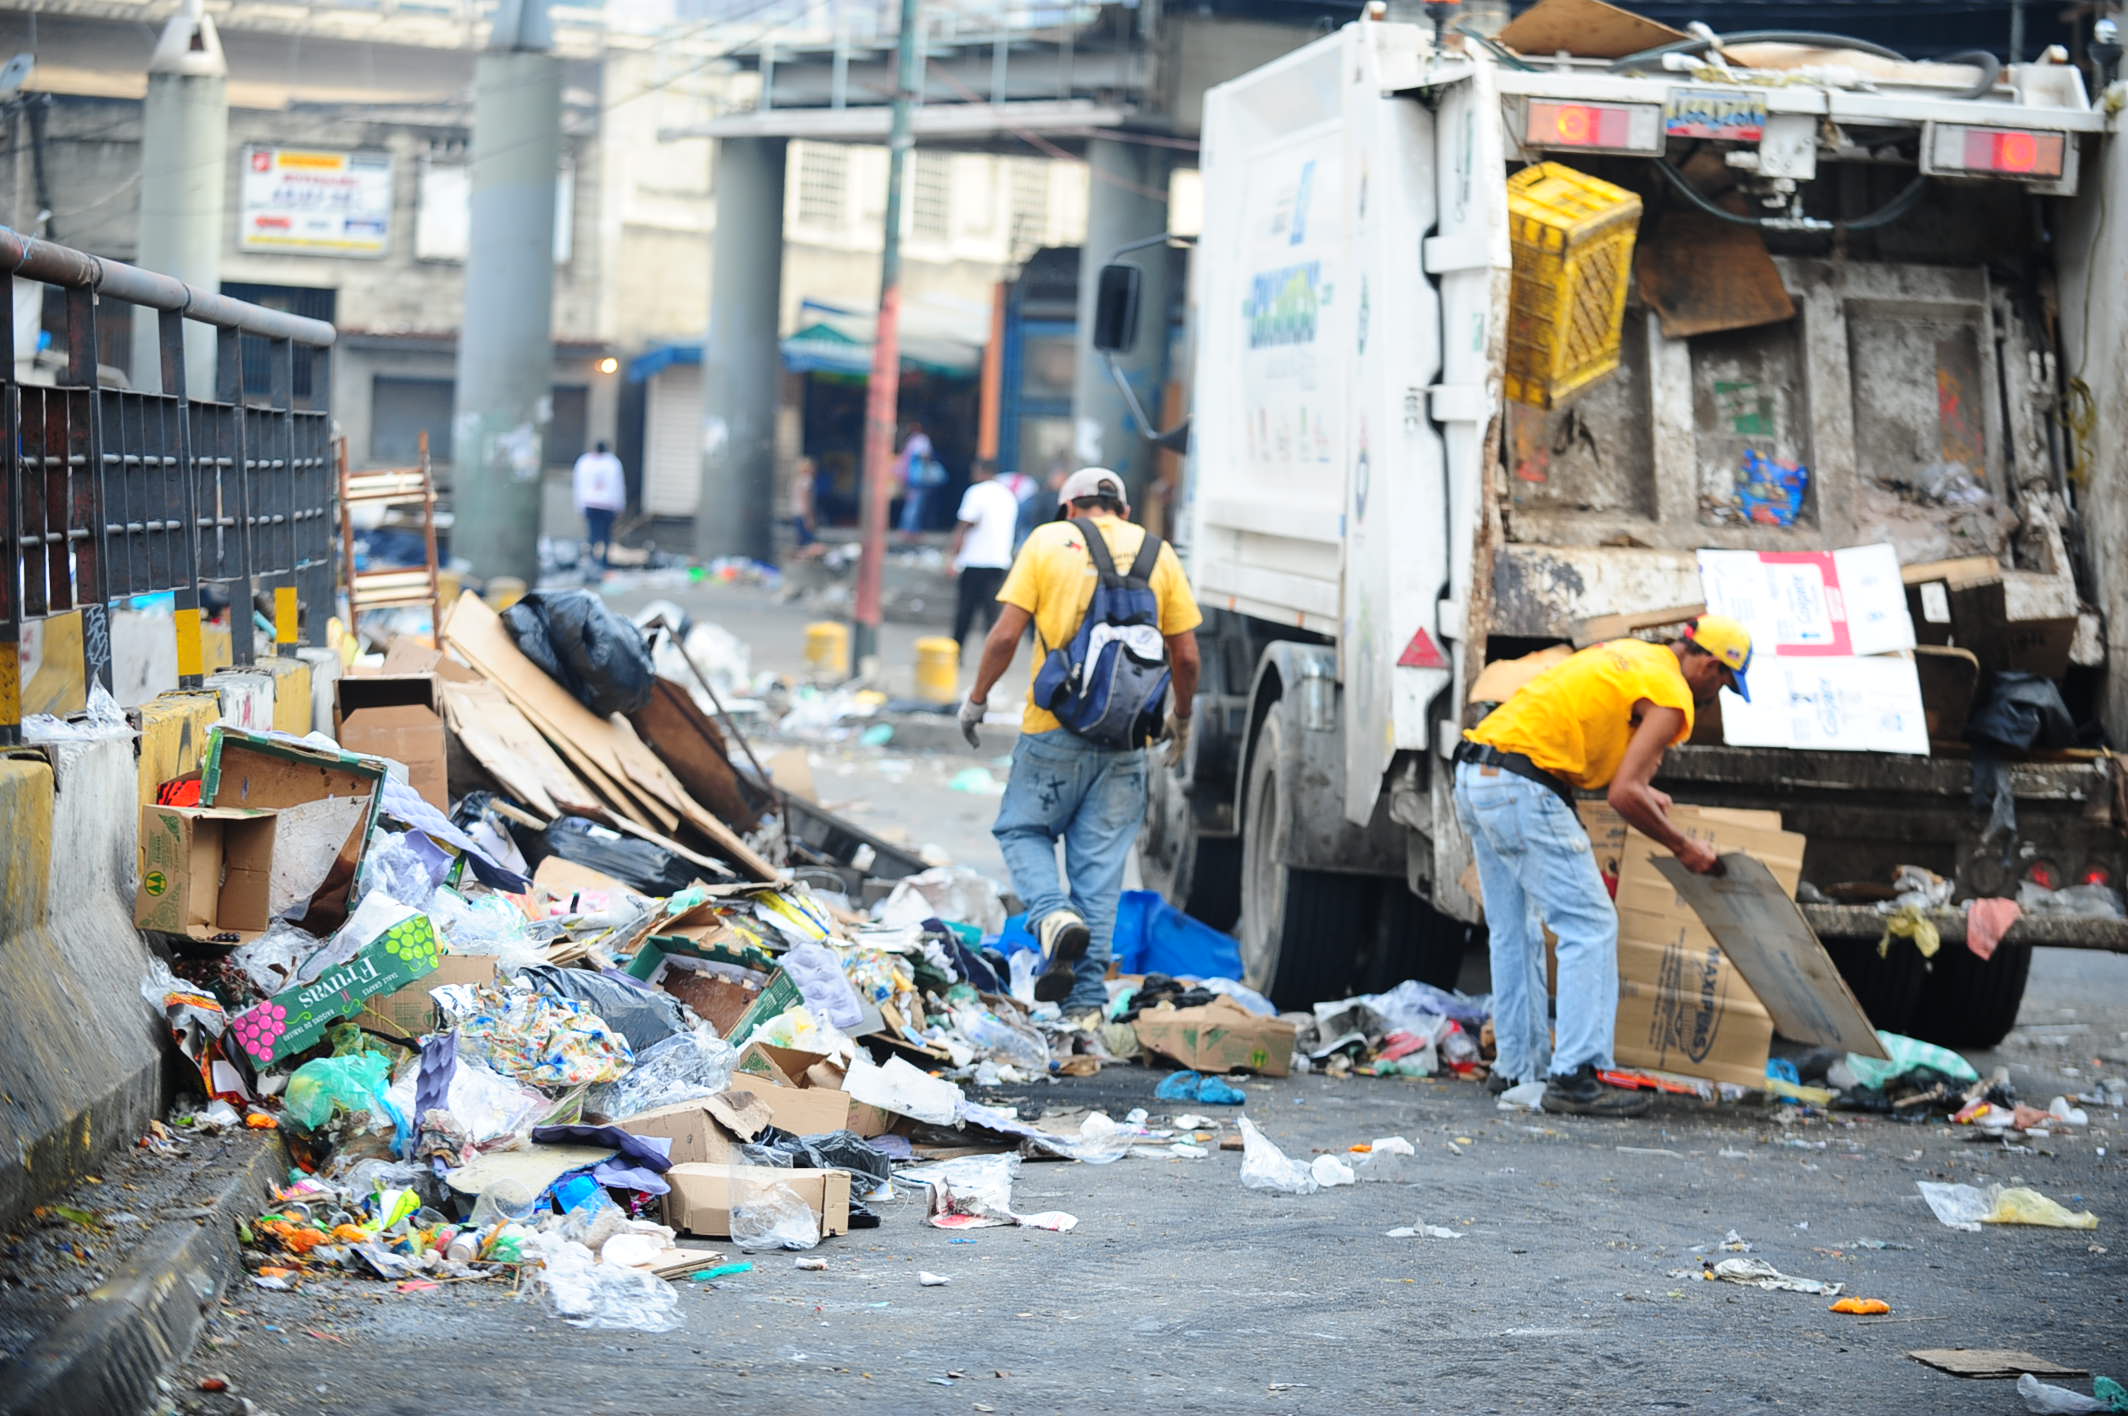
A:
(1063, 937)
(1581, 1093)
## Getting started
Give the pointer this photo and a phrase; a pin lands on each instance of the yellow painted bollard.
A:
(503, 592)
(938, 669)
(827, 649)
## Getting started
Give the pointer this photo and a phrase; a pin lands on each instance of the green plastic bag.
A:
(1907, 1054)
(327, 1084)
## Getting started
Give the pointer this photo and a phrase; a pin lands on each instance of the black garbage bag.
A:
(653, 870)
(583, 646)
(831, 1150)
(638, 1012)
(2021, 711)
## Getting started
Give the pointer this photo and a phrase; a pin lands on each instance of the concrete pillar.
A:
(741, 357)
(184, 155)
(1126, 202)
(506, 348)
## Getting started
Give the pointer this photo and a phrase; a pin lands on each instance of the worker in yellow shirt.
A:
(1600, 719)
(1086, 788)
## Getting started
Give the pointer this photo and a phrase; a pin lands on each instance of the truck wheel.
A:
(1301, 930)
(1197, 874)
(1412, 939)
(1888, 988)
(1972, 1002)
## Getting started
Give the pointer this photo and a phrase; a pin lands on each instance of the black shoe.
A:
(1498, 1083)
(1582, 1093)
(1064, 937)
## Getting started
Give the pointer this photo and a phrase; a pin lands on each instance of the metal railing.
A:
(108, 493)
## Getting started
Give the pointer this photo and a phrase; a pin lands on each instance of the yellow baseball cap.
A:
(1729, 642)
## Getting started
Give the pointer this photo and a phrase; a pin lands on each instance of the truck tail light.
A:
(1593, 127)
(1956, 149)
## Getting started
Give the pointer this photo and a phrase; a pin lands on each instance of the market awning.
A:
(833, 340)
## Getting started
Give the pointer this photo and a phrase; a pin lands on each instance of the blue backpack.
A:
(1109, 684)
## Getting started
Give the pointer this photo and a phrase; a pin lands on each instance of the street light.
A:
(609, 365)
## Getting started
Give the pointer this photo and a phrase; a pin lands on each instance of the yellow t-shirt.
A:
(1575, 718)
(1053, 579)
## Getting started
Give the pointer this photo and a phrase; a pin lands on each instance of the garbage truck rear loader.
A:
(1412, 455)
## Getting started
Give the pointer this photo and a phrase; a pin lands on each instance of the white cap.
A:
(1091, 482)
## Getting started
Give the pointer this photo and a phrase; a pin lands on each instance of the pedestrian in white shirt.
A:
(601, 495)
(982, 548)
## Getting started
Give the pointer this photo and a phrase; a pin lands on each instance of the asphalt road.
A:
(1182, 1291)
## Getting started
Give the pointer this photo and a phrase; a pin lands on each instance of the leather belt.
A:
(1484, 755)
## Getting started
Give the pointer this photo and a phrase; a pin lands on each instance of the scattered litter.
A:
(2051, 1400)
(1329, 1171)
(1265, 1167)
(1865, 1307)
(1757, 1273)
(1191, 1086)
(1523, 1096)
(1426, 1231)
(1955, 1206)
(2019, 1205)
(932, 1280)
(711, 1275)
(810, 1265)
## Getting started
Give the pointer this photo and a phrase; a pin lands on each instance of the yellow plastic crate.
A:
(1573, 259)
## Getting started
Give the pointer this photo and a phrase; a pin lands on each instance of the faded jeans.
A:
(1064, 788)
(1536, 868)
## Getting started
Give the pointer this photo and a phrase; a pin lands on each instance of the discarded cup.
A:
(932, 1280)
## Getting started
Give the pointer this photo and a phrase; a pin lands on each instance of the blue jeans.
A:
(914, 501)
(1064, 788)
(1536, 868)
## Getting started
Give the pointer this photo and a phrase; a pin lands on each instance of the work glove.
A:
(1178, 741)
(971, 718)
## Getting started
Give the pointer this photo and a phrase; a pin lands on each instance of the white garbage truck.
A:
(1416, 449)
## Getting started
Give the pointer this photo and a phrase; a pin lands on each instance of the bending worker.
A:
(1602, 718)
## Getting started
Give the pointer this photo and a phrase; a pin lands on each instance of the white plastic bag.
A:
(1265, 1167)
(2049, 1400)
(772, 1216)
(590, 1294)
(1329, 1171)
(1957, 1206)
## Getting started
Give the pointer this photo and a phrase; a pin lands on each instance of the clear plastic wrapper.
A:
(683, 1067)
(773, 1216)
(1265, 1167)
(489, 1106)
(590, 1294)
(400, 868)
(273, 960)
(484, 924)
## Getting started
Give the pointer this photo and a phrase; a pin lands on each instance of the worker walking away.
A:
(982, 549)
(1600, 719)
(601, 495)
(1115, 650)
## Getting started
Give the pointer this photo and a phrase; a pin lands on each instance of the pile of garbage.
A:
(539, 985)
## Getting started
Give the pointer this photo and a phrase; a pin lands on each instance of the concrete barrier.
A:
(81, 1055)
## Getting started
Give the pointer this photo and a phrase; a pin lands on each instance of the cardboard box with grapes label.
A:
(393, 946)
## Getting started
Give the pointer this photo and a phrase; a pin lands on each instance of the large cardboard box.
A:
(696, 1136)
(1220, 1036)
(396, 716)
(803, 1111)
(250, 769)
(1683, 1006)
(206, 872)
(703, 1195)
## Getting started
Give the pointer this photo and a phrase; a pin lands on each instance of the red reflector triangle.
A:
(1422, 653)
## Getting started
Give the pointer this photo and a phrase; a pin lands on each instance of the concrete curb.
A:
(109, 1356)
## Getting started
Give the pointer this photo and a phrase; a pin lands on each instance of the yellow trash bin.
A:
(938, 669)
(827, 648)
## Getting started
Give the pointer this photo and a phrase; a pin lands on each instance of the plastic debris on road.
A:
(1757, 1273)
(1265, 1167)
(2046, 1399)
(1423, 1231)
